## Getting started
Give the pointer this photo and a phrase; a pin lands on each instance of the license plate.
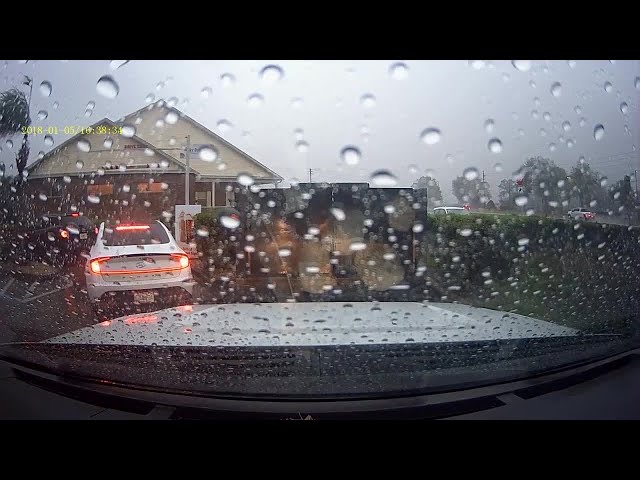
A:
(83, 236)
(143, 297)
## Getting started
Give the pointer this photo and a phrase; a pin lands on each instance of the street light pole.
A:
(186, 174)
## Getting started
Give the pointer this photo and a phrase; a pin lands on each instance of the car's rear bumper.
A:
(97, 289)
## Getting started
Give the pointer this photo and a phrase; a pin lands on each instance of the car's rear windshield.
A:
(147, 234)
(79, 221)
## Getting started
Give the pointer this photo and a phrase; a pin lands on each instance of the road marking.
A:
(6, 287)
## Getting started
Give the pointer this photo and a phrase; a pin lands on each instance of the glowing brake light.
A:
(132, 227)
(64, 234)
(75, 214)
(94, 264)
(184, 260)
(96, 230)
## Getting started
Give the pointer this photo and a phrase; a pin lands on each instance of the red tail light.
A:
(183, 259)
(94, 264)
(96, 230)
(132, 227)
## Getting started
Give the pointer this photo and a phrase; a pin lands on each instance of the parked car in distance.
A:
(60, 237)
(138, 263)
(581, 214)
(450, 210)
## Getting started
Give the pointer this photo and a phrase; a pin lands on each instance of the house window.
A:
(106, 189)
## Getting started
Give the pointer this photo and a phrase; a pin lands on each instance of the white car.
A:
(138, 264)
(450, 210)
(581, 214)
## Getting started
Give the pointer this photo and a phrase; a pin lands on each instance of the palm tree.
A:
(14, 115)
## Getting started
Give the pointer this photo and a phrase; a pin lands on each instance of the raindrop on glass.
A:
(48, 140)
(556, 89)
(383, 178)
(207, 154)
(430, 136)
(149, 98)
(470, 173)
(489, 125)
(93, 199)
(171, 117)
(224, 125)
(350, 155)
(45, 89)
(42, 114)
(608, 87)
(227, 79)
(368, 101)
(546, 116)
(107, 87)
(128, 131)
(302, 146)
(399, 71)
(495, 145)
(79, 164)
(521, 200)
(116, 64)
(624, 108)
(522, 65)
(255, 100)
(465, 232)
(84, 145)
(271, 74)
(230, 222)
(245, 179)
(598, 132)
(566, 126)
(498, 167)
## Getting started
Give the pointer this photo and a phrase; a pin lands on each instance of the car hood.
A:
(313, 324)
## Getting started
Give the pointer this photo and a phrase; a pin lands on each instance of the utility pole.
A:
(310, 171)
(186, 173)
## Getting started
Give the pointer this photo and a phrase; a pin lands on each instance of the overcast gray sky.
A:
(456, 97)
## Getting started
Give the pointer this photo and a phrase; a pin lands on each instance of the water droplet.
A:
(207, 154)
(552, 147)
(42, 197)
(523, 241)
(571, 63)
(128, 131)
(470, 173)
(46, 89)
(624, 108)
(578, 109)
(546, 116)
(149, 98)
(582, 122)
(126, 188)
(465, 232)
(116, 64)
(108, 143)
(522, 65)
(368, 101)
(66, 179)
(172, 102)
(357, 245)
(84, 145)
(534, 114)
(350, 155)
(556, 89)
(107, 87)
(42, 114)
(608, 87)
(271, 74)
(224, 125)
(495, 145)
(570, 143)
(566, 126)
(255, 100)
(230, 222)
(171, 117)
(297, 102)
(245, 179)
(202, 232)
(79, 164)
(603, 182)
(93, 199)
(399, 71)
(302, 146)
(389, 209)
(489, 125)
(48, 140)
(637, 82)
(477, 64)
(418, 227)
(383, 178)
(227, 79)
(284, 252)
(521, 200)
(598, 132)
(430, 136)
(55, 105)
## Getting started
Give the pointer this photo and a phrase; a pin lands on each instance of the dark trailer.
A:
(334, 237)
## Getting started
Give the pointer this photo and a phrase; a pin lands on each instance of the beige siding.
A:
(64, 160)
(236, 161)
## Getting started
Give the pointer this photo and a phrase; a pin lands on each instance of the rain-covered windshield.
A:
(334, 227)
